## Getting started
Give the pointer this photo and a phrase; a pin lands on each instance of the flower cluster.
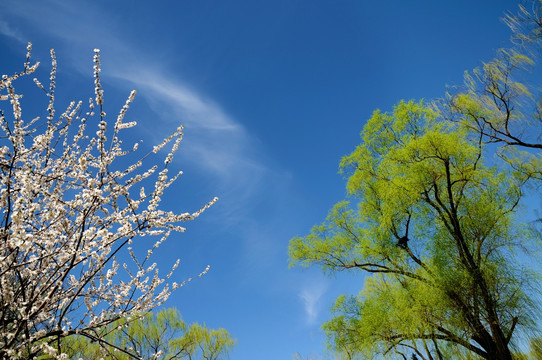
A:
(67, 212)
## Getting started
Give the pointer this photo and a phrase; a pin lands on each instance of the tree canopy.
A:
(435, 226)
(437, 229)
(161, 334)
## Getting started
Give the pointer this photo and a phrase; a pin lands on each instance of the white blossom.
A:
(67, 213)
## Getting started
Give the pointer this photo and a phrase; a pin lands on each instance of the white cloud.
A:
(311, 296)
(7, 30)
(196, 110)
(232, 161)
(214, 142)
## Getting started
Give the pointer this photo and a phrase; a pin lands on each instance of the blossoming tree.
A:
(68, 209)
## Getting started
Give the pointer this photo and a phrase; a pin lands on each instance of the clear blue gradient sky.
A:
(272, 94)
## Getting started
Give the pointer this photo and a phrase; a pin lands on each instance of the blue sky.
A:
(272, 94)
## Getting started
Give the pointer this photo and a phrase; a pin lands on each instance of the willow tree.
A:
(162, 334)
(434, 233)
(501, 99)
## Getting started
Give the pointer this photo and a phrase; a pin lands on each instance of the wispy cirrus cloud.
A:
(215, 141)
(7, 30)
(311, 296)
(221, 139)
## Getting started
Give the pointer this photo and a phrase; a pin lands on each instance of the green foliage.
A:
(436, 229)
(435, 226)
(163, 332)
(501, 104)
